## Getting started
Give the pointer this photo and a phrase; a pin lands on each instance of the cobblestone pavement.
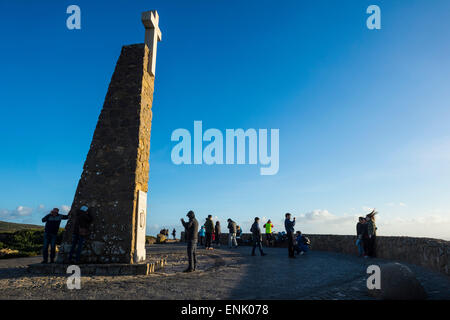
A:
(223, 274)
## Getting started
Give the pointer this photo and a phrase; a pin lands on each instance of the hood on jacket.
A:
(191, 214)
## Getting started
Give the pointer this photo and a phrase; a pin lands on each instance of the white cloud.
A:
(19, 213)
(23, 211)
(324, 222)
(65, 208)
(24, 214)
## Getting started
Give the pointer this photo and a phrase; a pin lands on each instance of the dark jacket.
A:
(289, 225)
(191, 228)
(52, 222)
(232, 226)
(217, 230)
(256, 232)
(364, 231)
(82, 220)
(359, 230)
(209, 226)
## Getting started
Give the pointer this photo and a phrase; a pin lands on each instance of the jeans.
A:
(232, 242)
(77, 241)
(257, 243)
(301, 248)
(49, 240)
(192, 254)
(359, 244)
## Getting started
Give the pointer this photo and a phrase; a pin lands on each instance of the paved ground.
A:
(224, 274)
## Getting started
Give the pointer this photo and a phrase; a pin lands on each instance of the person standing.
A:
(359, 236)
(289, 226)
(52, 222)
(174, 233)
(202, 235)
(232, 228)
(80, 231)
(257, 237)
(209, 229)
(217, 232)
(372, 233)
(269, 226)
(191, 231)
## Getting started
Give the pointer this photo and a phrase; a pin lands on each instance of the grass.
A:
(10, 227)
(27, 239)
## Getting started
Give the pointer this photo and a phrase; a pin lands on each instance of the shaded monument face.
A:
(114, 182)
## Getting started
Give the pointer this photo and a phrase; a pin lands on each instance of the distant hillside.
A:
(13, 227)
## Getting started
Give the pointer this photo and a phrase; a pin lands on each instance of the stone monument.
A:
(114, 182)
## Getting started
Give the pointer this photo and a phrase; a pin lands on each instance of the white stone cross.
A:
(150, 19)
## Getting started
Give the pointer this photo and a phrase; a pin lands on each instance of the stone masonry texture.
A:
(117, 164)
(433, 254)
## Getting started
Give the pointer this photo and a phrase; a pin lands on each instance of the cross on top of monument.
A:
(150, 19)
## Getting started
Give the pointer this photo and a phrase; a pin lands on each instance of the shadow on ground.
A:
(223, 274)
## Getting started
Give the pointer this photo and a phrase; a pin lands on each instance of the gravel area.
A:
(223, 274)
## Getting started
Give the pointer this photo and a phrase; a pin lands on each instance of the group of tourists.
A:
(366, 235)
(165, 232)
(210, 233)
(80, 231)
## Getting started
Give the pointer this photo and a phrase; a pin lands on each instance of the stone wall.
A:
(117, 164)
(433, 254)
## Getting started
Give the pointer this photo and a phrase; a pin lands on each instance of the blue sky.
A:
(363, 114)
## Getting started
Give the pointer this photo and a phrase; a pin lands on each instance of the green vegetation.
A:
(13, 227)
(19, 240)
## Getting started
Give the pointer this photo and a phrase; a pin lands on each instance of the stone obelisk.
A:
(114, 182)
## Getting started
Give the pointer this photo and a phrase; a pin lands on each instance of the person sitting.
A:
(302, 243)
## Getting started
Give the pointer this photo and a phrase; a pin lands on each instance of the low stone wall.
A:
(433, 254)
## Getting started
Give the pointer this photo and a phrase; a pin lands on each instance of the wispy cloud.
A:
(322, 221)
(24, 214)
(18, 213)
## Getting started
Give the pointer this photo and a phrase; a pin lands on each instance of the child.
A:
(202, 234)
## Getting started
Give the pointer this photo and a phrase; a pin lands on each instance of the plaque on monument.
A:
(141, 214)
